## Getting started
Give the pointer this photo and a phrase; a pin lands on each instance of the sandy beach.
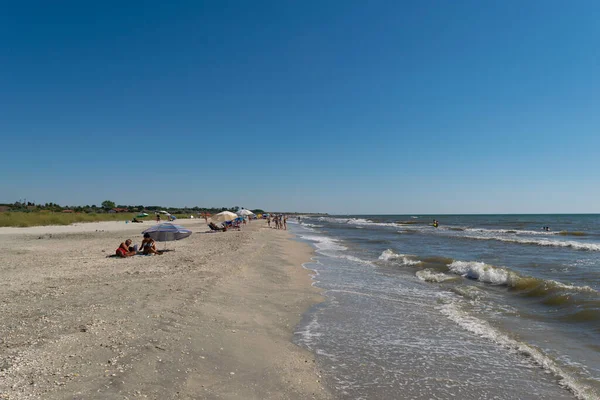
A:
(211, 319)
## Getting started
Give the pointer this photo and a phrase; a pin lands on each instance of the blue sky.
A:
(340, 107)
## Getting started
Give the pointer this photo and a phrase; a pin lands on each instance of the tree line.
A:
(107, 205)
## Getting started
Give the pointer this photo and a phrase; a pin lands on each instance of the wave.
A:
(324, 242)
(389, 255)
(470, 292)
(355, 259)
(483, 329)
(355, 221)
(490, 274)
(429, 275)
(312, 225)
(510, 231)
(543, 242)
(571, 299)
(483, 272)
(505, 277)
(572, 233)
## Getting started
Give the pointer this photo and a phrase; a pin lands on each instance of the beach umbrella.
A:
(141, 215)
(164, 212)
(243, 213)
(167, 232)
(224, 216)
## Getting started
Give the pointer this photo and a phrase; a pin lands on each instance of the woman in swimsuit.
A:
(148, 245)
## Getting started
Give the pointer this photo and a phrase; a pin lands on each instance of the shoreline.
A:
(214, 318)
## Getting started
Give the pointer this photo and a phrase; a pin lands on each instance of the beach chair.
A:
(214, 228)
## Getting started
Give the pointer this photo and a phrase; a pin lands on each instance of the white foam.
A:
(501, 276)
(511, 231)
(389, 255)
(309, 333)
(355, 259)
(470, 292)
(544, 242)
(324, 242)
(485, 330)
(312, 225)
(429, 275)
(483, 272)
(573, 287)
(356, 221)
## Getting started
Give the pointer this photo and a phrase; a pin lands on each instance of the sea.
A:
(481, 307)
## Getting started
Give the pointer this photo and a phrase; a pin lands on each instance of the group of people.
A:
(169, 218)
(280, 221)
(148, 247)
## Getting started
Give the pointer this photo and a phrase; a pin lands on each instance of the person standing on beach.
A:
(285, 222)
(157, 218)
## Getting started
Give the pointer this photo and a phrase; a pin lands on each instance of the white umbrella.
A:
(243, 213)
(164, 212)
(224, 216)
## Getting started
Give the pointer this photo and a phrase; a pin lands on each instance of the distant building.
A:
(119, 210)
(67, 211)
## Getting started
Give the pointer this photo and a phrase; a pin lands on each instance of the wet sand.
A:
(211, 319)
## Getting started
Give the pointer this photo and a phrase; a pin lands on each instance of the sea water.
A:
(482, 307)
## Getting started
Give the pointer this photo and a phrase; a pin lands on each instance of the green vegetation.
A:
(23, 219)
(22, 214)
(108, 205)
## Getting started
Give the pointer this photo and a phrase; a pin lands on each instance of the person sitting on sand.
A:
(125, 249)
(148, 245)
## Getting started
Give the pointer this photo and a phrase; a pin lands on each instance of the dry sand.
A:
(212, 319)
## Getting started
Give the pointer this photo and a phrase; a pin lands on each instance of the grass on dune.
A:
(24, 219)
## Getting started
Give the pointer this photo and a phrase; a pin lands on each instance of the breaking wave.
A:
(483, 329)
(483, 272)
(324, 243)
(355, 221)
(511, 231)
(429, 275)
(543, 242)
(389, 255)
